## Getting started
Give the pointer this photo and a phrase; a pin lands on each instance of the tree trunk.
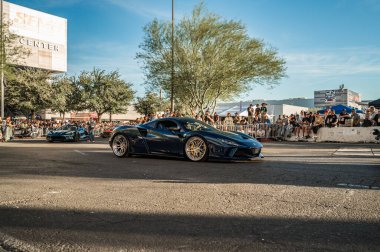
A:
(99, 116)
(110, 117)
(33, 114)
(63, 117)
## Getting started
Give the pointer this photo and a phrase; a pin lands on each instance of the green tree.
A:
(29, 90)
(149, 104)
(12, 53)
(215, 59)
(66, 94)
(104, 92)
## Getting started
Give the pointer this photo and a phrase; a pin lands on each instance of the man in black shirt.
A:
(257, 110)
(264, 109)
(343, 116)
(331, 120)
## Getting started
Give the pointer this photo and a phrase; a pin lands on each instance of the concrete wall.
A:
(344, 135)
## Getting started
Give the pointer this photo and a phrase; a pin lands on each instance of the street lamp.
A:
(2, 59)
(172, 79)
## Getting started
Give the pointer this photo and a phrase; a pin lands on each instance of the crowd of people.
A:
(258, 123)
(14, 128)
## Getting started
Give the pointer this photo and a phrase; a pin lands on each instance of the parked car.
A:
(106, 133)
(183, 137)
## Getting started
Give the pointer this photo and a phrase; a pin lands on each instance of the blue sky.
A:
(325, 43)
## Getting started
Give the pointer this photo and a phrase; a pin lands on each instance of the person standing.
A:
(90, 128)
(208, 118)
(264, 109)
(251, 112)
(216, 118)
(8, 129)
(257, 110)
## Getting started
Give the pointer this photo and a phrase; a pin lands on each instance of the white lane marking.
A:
(358, 186)
(80, 152)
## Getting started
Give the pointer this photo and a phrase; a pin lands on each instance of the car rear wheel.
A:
(120, 146)
(196, 149)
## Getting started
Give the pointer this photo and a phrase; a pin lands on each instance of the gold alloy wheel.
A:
(196, 149)
(120, 146)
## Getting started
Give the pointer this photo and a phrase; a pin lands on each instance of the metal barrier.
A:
(259, 130)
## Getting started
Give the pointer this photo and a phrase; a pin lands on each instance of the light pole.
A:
(2, 59)
(172, 79)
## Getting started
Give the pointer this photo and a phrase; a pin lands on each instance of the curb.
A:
(9, 243)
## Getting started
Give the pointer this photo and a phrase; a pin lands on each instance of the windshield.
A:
(68, 127)
(194, 125)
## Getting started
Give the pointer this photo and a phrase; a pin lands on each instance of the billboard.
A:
(328, 98)
(44, 35)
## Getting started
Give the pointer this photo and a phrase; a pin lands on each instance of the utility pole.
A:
(172, 79)
(2, 59)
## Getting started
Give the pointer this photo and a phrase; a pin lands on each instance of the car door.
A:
(161, 140)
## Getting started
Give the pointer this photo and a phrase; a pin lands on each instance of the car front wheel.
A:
(120, 146)
(196, 149)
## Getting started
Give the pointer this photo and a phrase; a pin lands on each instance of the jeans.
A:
(91, 135)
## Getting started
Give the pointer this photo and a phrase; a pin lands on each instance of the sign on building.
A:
(44, 35)
(328, 98)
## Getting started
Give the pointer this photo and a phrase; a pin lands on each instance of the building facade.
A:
(343, 96)
(42, 34)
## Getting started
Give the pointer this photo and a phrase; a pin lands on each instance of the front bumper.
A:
(62, 138)
(236, 153)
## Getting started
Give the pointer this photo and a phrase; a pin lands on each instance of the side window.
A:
(165, 125)
(151, 125)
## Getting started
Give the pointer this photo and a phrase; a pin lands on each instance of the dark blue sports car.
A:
(65, 133)
(183, 137)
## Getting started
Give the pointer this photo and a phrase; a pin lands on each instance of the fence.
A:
(259, 130)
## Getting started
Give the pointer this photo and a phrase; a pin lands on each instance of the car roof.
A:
(178, 119)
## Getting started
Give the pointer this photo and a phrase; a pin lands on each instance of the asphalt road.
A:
(80, 197)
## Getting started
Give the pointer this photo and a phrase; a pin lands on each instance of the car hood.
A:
(61, 132)
(242, 139)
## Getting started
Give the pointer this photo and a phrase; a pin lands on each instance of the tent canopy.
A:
(340, 107)
(337, 108)
(375, 103)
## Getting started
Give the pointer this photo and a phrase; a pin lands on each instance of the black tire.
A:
(120, 146)
(196, 149)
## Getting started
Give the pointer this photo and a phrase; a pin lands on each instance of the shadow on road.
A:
(170, 231)
(321, 172)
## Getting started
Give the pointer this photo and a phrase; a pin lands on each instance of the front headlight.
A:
(229, 142)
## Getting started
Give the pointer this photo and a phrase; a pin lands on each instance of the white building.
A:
(44, 35)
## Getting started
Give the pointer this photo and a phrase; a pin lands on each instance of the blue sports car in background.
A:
(183, 137)
(67, 133)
